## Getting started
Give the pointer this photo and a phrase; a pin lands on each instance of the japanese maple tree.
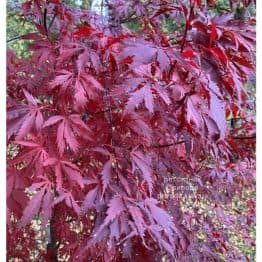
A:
(101, 120)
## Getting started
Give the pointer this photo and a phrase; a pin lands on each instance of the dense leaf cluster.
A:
(103, 120)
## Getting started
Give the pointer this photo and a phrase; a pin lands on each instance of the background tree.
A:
(119, 143)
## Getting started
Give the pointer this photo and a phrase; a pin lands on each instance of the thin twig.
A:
(18, 37)
(168, 145)
(180, 142)
(184, 39)
(243, 137)
(52, 21)
(52, 246)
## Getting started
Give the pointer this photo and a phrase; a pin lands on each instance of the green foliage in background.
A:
(83, 4)
(15, 27)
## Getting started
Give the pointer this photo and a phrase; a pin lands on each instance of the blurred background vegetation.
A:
(17, 25)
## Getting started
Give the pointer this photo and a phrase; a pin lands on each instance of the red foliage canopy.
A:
(104, 120)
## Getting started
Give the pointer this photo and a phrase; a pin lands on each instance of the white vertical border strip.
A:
(259, 130)
(3, 130)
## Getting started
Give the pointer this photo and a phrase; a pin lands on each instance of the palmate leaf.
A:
(218, 115)
(22, 119)
(86, 87)
(142, 95)
(73, 173)
(83, 85)
(162, 92)
(88, 55)
(115, 229)
(65, 168)
(89, 200)
(69, 201)
(69, 129)
(141, 52)
(147, 93)
(193, 105)
(15, 118)
(138, 124)
(160, 216)
(41, 201)
(163, 60)
(33, 154)
(106, 174)
(115, 208)
(47, 207)
(138, 220)
(63, 80)
(32, 209)
(16, 197)
(139, 160)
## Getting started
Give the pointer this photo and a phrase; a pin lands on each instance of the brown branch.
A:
(52, 245)
(18, 37)
(45, 21)
(243, 137)
(168, 145)
(180, 142)
(52, 21)
(14, 38)
(235, 118)
(186, 31)
(184, 39)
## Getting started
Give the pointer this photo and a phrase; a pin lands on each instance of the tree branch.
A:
(52, 246)
(52, 21)
(186, 30)
(45, 21)
(18, 37)
(184, 39)
(180, 142)
(168, 145)
(243, 137)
